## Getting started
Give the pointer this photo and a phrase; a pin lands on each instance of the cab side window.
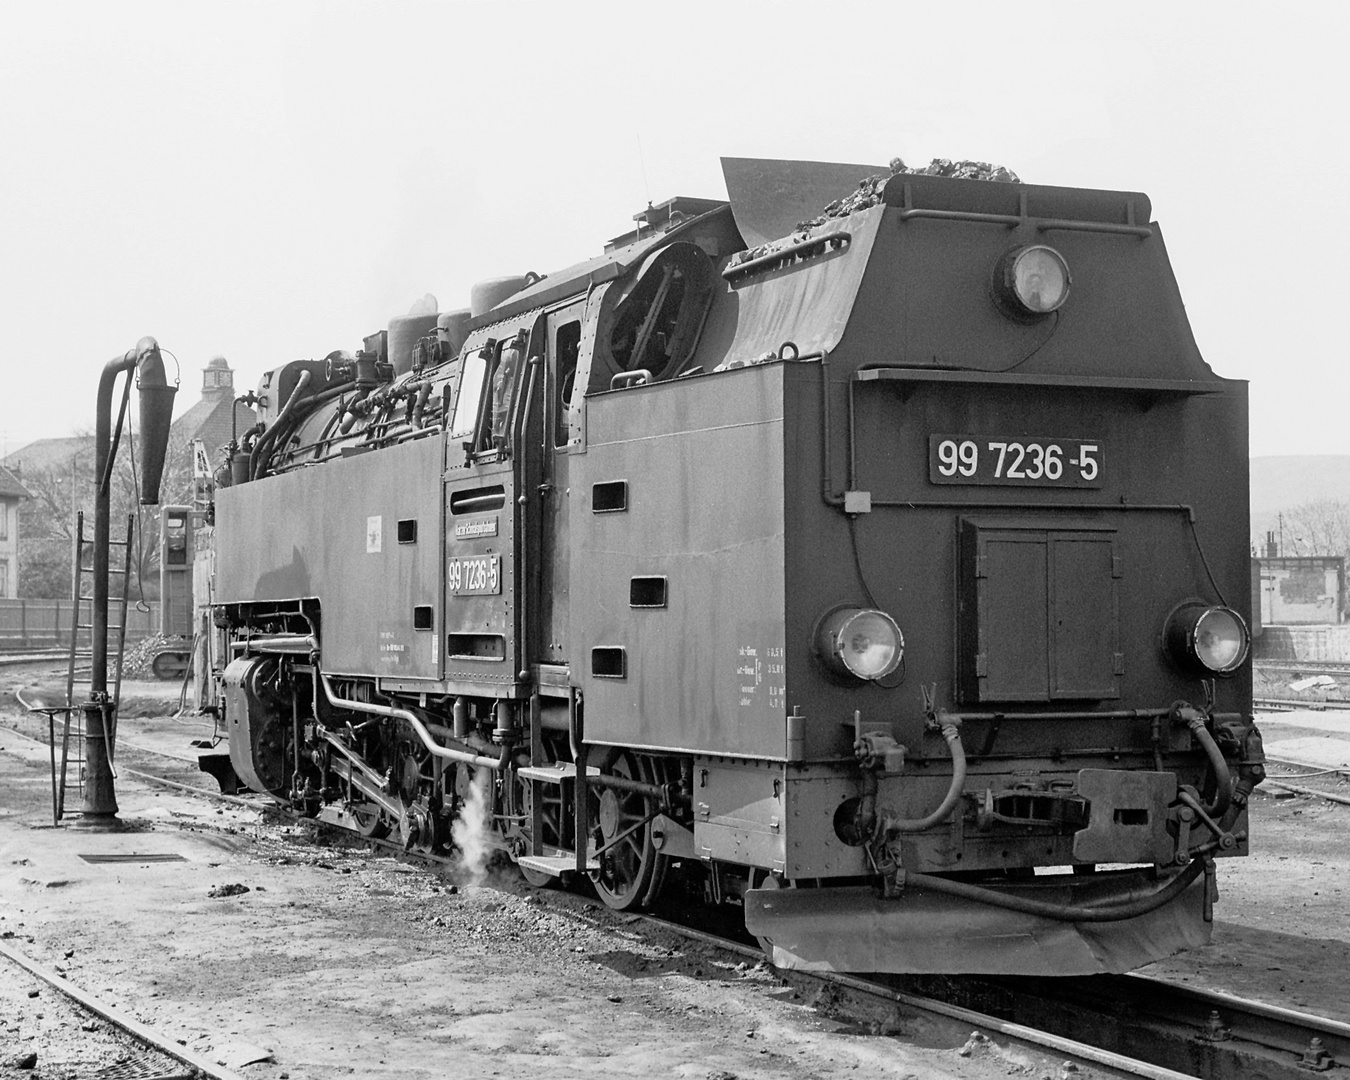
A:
(470, 392)
(566, 349)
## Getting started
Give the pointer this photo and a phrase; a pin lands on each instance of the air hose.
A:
(1062, 912)
(891, 826)
(1223, 780)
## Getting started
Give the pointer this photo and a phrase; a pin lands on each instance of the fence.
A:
(1317, 644)
(40, 624)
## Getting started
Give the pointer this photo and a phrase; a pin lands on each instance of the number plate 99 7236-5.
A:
(476, 575)
(1015, 460)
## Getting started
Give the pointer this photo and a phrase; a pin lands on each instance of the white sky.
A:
(273, 180)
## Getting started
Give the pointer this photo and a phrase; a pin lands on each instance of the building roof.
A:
(208, 420)
(10, 487)
(47, 455)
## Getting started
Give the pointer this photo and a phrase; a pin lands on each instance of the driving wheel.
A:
(631, 869)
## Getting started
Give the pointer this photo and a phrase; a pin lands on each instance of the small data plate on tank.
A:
(474, 575)
(1016, 461)
(925, 932)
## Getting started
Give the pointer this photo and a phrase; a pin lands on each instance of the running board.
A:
(554, 774)
(556, 865)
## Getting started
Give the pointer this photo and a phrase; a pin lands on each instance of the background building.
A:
(1301, 590)
(12, 492)
(56, 479)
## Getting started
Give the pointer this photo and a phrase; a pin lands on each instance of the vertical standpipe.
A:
(156, 413)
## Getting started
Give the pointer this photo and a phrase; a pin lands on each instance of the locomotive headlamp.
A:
(1210, 640)
(1032, 281)
(859, 643)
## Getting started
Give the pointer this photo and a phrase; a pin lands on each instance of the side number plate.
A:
(1017, 461)
(474, 575)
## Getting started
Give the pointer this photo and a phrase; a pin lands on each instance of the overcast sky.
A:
(271, 181)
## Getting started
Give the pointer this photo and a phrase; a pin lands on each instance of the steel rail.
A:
(117, 1018)
(1274, 1026)
(1293, 705)
(1328, 795)
(1324, 667)
(1048, 1040)
(14, 659)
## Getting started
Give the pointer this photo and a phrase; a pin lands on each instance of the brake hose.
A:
(1223, 780)
(890, 826)
(1062, 912)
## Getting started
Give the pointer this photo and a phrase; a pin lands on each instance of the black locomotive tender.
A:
(883, 573)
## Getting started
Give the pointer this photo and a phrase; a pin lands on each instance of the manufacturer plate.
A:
(470, 528)
(475, 575)
(1016, 461)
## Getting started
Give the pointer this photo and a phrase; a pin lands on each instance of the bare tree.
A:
(1320, 527)
(47, 520)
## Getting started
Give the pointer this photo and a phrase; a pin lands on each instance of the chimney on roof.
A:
(217, 379)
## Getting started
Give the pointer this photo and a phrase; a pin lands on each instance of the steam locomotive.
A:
(881, 571)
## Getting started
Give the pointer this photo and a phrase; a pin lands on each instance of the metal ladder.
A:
(81, 645)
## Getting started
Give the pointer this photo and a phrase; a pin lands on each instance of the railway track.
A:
(19, 659)
(1311, 667)
(1129, 1025)
(1293, 705)
(151, 1056)
(1195, 1032)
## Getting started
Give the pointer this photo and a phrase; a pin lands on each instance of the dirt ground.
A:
(333, 962)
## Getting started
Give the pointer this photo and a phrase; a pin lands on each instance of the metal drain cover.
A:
(132, 858)
(144, 1068)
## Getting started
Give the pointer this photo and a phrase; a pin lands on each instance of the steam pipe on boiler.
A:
(301, 644)
(250, 399)
(268, 437)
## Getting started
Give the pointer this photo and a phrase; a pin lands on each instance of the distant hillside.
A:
(1280, 483)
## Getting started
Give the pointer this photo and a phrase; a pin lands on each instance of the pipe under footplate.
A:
(433, 747)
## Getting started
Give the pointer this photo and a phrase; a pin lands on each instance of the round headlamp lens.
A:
(1031, 282)
(1220, 640)
(1208, 640)
(861, 642)
(1040, 279)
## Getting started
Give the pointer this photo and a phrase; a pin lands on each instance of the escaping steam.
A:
(470, 829)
